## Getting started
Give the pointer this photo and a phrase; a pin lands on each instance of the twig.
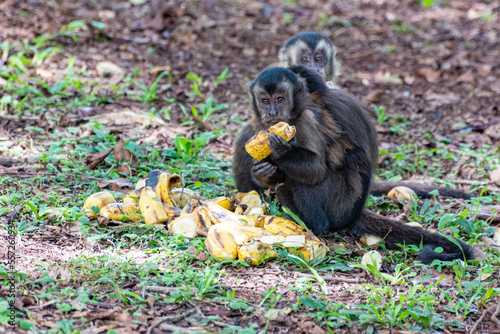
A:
(173, 318)
(478, 322)
(331, 278)
(204, 124)
(497, 312)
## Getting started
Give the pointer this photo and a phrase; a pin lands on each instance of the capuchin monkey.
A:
(323, 174)
(316, 52)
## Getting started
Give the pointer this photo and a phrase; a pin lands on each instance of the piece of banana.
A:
(221, 243)
(162, 188)
(275, 225)
(182, 196)
(407, 195)
(256, 252)
(171, 211)
(223, 237)
(258, 145)
(151, 207)
(370, 240)
(140, 184)
(133, 196)
(217, 214)
(98, 200)
(121, 211)
(188, 225)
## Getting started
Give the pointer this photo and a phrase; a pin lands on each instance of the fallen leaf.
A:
(121, 182)
(478, 254)
(484, 70)
(108, 69)
(466, 77)
(375, 96)
(95, 160)
(427, 74)
(121, 154)
(493, 131)
(126, 117)
(495, 176)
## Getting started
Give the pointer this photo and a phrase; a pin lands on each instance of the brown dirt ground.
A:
(443, 72)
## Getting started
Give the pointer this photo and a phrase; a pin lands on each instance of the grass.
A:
(134, 256)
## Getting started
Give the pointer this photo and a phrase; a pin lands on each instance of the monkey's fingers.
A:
(277, 142)
(278, 145)
(265, 169)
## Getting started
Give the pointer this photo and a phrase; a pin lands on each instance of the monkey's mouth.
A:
(270, 120)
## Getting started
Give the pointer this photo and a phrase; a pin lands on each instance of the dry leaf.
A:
(427, 74)
(121, 154)
(495, 176)
(108, 69)
(466, 77)
(121, 182)
(126, 117)
(95, 160)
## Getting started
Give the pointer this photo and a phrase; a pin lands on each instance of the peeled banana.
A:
(151, 207)
(258, 145)
(99, 200)
(188, 225)
(121, 211)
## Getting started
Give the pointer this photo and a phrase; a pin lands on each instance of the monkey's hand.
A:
(279, 146)
(266, 173)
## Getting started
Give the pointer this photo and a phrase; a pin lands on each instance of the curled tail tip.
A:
(427, 254)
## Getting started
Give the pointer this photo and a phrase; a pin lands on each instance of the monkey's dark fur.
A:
(323, 175)
(309, 43)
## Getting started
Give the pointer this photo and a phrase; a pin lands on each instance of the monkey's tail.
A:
(422, 190)
(395, 232)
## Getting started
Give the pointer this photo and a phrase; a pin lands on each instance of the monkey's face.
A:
(273, 93)
(274, 105)
(313, 51)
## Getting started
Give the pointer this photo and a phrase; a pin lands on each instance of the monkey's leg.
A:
(422, 190)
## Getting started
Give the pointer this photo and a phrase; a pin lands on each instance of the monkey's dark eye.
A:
(265, 101)
(319, 59)
(280, 99)
(304, 60)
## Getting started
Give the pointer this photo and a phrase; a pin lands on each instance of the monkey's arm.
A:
(297, 163)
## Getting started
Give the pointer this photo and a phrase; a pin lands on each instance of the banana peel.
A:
(182, 196)
(258, 145)
(121, 212)
(256, 252)
(151, 207)
(217, 214)
(99, 200)
(163, 186)
(223, 239)
(133, 196)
